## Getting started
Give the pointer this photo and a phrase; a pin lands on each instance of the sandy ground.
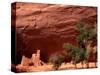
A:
(48, 67)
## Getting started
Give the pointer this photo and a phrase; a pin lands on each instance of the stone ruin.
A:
(33, 61)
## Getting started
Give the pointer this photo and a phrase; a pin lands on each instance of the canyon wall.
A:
(47, 27)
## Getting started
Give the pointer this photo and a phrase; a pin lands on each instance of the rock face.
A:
(48, 26)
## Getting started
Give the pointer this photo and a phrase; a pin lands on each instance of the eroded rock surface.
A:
(48, 26)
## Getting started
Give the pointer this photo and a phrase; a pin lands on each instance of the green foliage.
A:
(80, 27)
(79, 40)
(92, 33)
(85, 33)
(67, 46)
(77, 54)
(56, 60)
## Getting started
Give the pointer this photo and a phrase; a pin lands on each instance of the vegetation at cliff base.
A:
(81, 52)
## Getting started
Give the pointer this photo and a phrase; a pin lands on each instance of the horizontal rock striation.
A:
(48, 26)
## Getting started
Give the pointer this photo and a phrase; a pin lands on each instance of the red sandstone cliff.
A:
(48, 26)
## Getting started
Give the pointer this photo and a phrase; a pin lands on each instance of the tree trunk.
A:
(55, 67)
(75, 66)
(96, 64)
(82, 64)
(87, 64)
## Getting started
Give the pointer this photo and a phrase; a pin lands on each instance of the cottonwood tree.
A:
(77, 54)
(85, 38)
